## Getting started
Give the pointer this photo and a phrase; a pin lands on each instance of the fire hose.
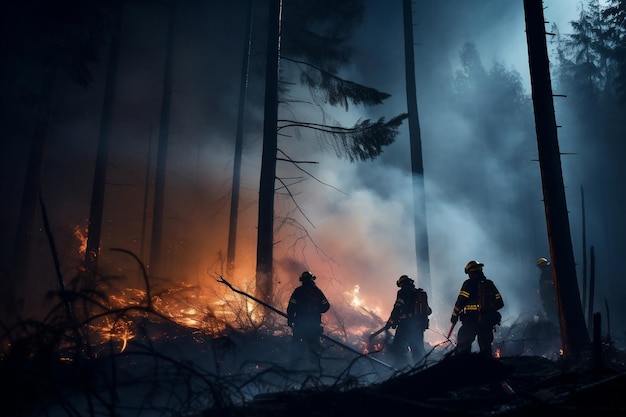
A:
(325, 336)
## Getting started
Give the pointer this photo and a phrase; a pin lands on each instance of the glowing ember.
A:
(124, 312)
(117, 330)
(80, 233)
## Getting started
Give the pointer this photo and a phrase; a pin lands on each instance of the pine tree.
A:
(311, 37)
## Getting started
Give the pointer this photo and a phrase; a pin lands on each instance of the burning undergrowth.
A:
(166, 350)
(160, 350)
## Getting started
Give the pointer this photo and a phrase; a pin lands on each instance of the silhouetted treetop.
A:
(40, 34)
(318, 31)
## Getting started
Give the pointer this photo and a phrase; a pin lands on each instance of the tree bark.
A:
(584, 248)
(234, 197)
(265, 239)
(574, 335)
(12, 294)
(94, 231)
(164, 127)
(417, 166)
(592, 282)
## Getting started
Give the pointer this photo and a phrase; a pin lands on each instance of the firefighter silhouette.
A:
(477, 307)
(304, 315)
(409, 317)
(547, 290)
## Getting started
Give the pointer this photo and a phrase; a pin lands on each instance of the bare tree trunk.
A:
(164, 128)
(584, 225)
(574, 335)
(265, 239)
(146, 193)
(12, 291)
(94, 233)
(234, 199)
(417, 166)
(592, 282)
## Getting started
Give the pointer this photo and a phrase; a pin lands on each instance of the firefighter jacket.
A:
(306, 305)
(547, 290)
(547, 293)
(479, 300)
(411, 303)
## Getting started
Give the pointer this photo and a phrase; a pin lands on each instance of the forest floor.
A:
(464, 385)
(170, 370)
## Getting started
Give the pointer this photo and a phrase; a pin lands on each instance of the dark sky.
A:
(360, 224)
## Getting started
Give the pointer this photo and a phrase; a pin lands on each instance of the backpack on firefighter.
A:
(489, 302)
(421, 309)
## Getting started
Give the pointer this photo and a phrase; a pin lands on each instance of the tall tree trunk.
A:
(584, 225)
(265, 239)
(574, 335)
(94, 233)
(146, 200)
(592, 282)
(417, 166)
(12, 291)
(164, 128)
(234, 197)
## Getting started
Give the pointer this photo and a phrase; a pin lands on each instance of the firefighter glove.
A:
(454, 319)
(392, 324)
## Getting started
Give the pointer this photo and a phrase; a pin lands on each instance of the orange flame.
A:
(356, 301)
(187, 306)
(80, 233)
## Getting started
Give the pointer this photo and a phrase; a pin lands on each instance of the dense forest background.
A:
(348, 222)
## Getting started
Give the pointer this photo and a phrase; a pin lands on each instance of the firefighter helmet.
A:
(403, 279)
(542, 261)
(473, 266)
(307, 275)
